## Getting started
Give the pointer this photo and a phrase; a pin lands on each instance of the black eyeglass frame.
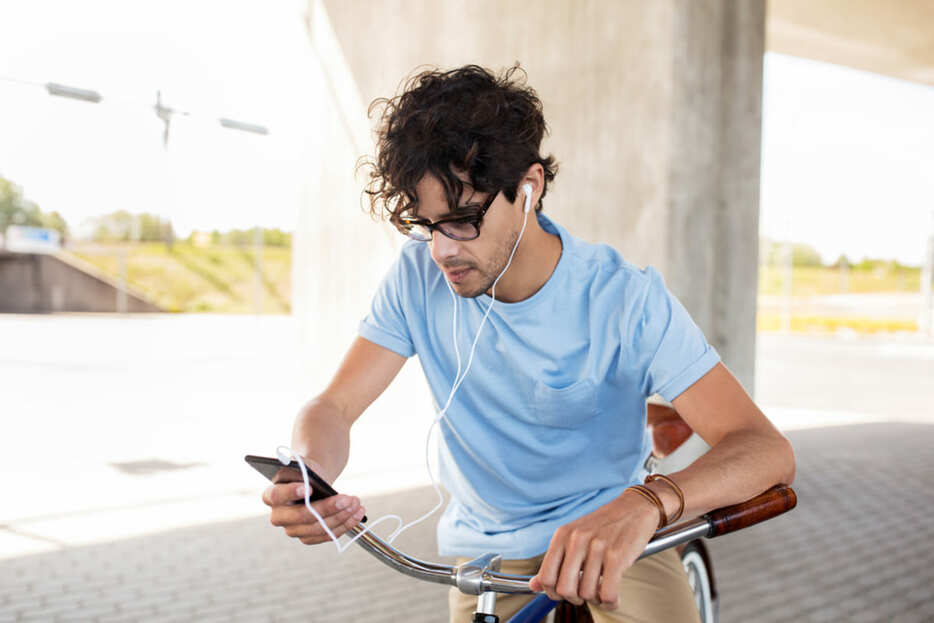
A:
(474, 219)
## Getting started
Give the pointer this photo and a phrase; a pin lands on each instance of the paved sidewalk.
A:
(859, 547)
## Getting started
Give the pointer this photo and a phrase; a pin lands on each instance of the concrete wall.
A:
(33, 283)
(655, 115)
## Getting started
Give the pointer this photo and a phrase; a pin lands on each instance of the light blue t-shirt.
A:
(550, 422)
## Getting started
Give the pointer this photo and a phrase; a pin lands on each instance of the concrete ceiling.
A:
(890, 37)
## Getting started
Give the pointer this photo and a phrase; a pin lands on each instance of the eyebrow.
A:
(464, 210)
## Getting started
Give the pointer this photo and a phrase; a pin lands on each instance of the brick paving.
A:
(859, 547)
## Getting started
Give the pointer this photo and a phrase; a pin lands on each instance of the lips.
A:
(456, 276)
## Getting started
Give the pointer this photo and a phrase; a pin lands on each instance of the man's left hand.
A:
(602, 545)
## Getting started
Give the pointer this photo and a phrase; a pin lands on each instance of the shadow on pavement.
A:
(857, 548)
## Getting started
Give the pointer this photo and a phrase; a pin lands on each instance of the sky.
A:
(241, 60)
(847, 156)
(847, 160)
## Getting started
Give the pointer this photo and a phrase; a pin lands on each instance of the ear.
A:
(535, 176)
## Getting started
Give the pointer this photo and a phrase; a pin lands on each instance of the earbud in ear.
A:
(527, 188)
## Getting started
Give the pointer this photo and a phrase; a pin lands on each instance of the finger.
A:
(353, 521)
(299, 490)
(337, 530)
(338, 524)
(314, 540)
(613, 568)
(569, 575)
(289, 514)
(547, 576)
(285, 493)
(589, 583)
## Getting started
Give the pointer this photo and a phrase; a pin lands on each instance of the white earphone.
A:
(528, 197)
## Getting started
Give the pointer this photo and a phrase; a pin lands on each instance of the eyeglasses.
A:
(461, 227)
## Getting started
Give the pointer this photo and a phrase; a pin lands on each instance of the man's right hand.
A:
(340, 512)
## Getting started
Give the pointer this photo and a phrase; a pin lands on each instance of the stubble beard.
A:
(489, 273)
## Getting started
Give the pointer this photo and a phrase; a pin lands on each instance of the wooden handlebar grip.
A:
(777, 500)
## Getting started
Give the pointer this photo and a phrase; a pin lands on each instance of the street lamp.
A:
(243, 126)
(74, 93)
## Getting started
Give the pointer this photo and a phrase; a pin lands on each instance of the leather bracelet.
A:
(671, 483)
(652, 497)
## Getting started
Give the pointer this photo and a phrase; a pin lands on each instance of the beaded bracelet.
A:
(671, 483)
(652, 497)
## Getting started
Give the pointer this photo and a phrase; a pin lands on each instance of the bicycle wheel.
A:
(699, 577)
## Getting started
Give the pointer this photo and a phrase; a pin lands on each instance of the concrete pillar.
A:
(712, 226)
(655, 115)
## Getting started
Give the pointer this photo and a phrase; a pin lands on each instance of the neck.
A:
(532, 266)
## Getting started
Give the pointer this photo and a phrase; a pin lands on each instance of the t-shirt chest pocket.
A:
(565, 407)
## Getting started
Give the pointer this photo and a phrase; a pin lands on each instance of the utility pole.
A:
(258, 265)
(926, 317)
(787, 259)
(121, 291)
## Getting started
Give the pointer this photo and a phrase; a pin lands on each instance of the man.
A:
(545, 435)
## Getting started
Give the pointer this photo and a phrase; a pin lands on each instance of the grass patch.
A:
(820, 280)
(187, 278)
(271, 267)
(831, 324)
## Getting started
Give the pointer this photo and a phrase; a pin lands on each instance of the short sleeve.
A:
(386, 325)
(672, 351)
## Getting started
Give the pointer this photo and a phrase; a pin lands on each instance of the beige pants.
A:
(654, 590)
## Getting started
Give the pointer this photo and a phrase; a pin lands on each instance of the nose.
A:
(442, 247)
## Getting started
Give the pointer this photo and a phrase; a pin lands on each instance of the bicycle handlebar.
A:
(774, 502)
(482, 575)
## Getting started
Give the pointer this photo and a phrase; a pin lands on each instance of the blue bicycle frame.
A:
(535, 610)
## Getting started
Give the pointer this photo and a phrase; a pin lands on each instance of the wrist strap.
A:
(671, 483)
(654, 499)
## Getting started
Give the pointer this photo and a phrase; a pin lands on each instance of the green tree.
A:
(154, 228)
(245, 237)
(772, 252)
(277, 238)
(15, 209)
(124, 226)
(842, 261)
(805, 255)
(54, 220)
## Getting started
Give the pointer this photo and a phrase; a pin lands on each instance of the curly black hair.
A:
(467, 118)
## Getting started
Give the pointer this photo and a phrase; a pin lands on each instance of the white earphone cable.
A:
(459, 378)
(286, 454)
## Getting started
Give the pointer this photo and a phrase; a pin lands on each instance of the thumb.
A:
(535, 584)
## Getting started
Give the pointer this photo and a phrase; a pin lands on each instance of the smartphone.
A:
(269, 467)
